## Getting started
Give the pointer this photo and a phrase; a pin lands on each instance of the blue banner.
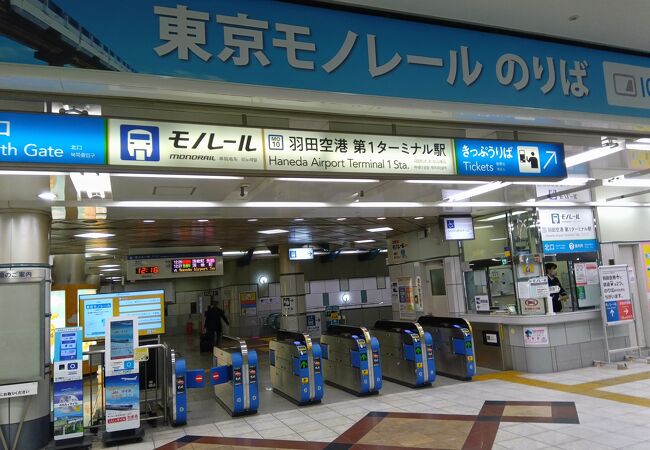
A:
(290, 45)
(52, 139)
(575, 246)
(68, 409)
(510, 159)
(67, 344)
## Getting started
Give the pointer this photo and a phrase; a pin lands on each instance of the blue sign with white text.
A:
(575, 246)
(52, 139)
(611, 310)
(293, 45)
(510, 159)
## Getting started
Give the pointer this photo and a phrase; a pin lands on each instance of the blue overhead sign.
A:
(52, 139)
(293, 45)
(509, 159)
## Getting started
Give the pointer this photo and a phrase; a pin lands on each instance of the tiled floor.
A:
(595, 408)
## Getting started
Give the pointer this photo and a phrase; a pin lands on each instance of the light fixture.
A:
(202, 220)
(499, 239)
(252, 220)
(298, 220)
(94, 185)
(471, 204)
(148, 221)
(594, 153)
(566, 182)
(263, 279)
(345, 298)
(329, 180)
(364, 241)
(549, 203)
(501, 216)
(642, 147)
(109, 265)
(341, 219)
(483, 227)
(165, 175)
(262, 252)
(101, 249)
(480, 190)
(381, 218)
(94, 235)
(643, 141)
(418, 218)
(31, 172)
(451, 181)
(163, 204)
(385, 205)
(47, 195)
(110, 270)
(627, 182)
(273, 231)
(283, 205)
(380, 229)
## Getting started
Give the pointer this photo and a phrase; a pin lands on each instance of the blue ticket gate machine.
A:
(407, 352)
(296, 367)
(235, 376)
(351, 359)
(453, 346)
(182, 379)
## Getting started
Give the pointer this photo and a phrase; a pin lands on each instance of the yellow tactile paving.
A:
(591, 389)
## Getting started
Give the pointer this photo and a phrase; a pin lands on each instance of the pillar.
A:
(25, 247)
(292, 292)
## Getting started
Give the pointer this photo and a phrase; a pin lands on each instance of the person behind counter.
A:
(558, 294)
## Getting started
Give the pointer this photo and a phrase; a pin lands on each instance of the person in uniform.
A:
(558, 294)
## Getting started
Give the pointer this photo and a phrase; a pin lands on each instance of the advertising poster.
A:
(314, 325)
(482, 302)
(122, 402)
(68, 410)
(120, 347)
(536, 336)
(248, 302)
(418, 300)
(645, 253)
(405, 295)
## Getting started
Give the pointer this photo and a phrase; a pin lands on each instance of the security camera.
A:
(243, 191)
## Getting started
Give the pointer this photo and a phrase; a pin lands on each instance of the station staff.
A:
(558, 294)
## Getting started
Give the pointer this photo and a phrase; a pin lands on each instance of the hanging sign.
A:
(568, 230)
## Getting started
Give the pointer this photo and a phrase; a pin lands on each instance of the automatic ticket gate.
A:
(351, 359)
(234, 376)
(453, 346)
(296, 367)
(182, 379)
(407, 352)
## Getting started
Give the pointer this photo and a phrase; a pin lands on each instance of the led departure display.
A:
(194, 265)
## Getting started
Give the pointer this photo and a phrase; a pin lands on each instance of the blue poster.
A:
(52, 139)
(611, 310)
(122, 402)
(67, 344)
(293, 45)
(510, 159)
(68, 409)
(571, 246)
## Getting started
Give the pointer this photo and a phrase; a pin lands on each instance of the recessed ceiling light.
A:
(101, 249)
(109, 265)
(377, 230)
(330, 180)
(418, 218)
(252, 220)
(364, 241)
(94, 235)
(381, 218)
(273, 231)
(202, 220)
(47, 195)
(298, 220)
(149, 221)
(341, 219)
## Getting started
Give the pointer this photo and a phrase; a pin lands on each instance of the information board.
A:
(458, 228)
(97, 309)
(194, 265)
(616, 296)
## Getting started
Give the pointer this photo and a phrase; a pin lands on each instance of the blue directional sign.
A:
(510, 159)
(52, 139)
(611, 309)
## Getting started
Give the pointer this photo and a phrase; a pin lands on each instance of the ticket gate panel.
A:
(236, 369)
(453, 346)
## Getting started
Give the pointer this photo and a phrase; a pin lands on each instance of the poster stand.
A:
(616, 308)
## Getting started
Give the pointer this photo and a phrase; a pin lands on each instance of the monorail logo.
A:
(139, 143)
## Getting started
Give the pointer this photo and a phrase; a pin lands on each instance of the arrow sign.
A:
(303, 364)
(418, 351)
(611, 313)
(553, 154)
(364, 357)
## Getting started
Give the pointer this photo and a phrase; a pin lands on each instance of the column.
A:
(24, 254)
(292, 292)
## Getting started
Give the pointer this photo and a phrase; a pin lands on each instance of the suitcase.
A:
(205, 343)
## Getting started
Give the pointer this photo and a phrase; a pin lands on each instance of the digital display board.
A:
(301, 253)
(147, 270)
(147, 306)
(458, 228)
(194, 265)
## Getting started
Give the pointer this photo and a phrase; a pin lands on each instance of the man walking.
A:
(213, 317)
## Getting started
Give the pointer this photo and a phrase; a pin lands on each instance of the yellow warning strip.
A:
(590, 389)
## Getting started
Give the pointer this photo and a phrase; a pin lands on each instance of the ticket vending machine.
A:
(407, 352)
(351, 359)
(234, 377)
(296, 367)
(453, 346)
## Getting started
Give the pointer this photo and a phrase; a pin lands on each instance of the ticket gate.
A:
(453, 346)
(351, 359)
(181, 380)
(234, 376)
(407, 352)
(296, 367)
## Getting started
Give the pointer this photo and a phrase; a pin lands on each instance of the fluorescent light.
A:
(592, 154)
(94, 235)
(643, 141)
(273, 231)
(478, 191)
(101, 249)
(472, 204)
(252, 220)
(233, 253)
(383, 250)
(381, 218)
(385, 205)
(451, 181)
(502, 216)
(329, 180)
(418, 218)
(380, 229)
(202, 220)
(627, 182)
(262, 252)
(549, 204)
(47, 195)
(365, 241)
(92, 184)
(352, 252)
(30, 172)
(642, 147)
(285, 205)
(298, 220)
(163, 204)
(110, 270)
(185, 177)
(498, 239)
(483, 227)
(341, 219)
(109, 265)
(566, 182)
(149, 221)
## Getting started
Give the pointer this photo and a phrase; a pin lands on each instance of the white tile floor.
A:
(604, 424)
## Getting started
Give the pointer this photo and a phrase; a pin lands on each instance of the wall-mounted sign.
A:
(555, 193)
(536, 336)
(491, 338)
(51, 139)
(248, 303)
(186, 265)
(302, 46)
(568, 230)
(458, 228)
(301, 253)
(149, 267)
(482, 302)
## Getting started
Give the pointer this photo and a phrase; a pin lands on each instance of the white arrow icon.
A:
(611, 312)
(553, 154)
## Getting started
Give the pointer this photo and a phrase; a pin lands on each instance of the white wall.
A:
(413, 246)
(623, 224)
